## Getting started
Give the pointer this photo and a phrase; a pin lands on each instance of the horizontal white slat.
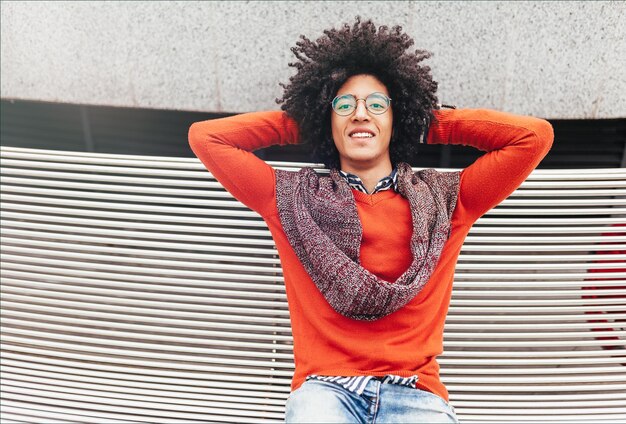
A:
(16, 262)
(27, 235)
(59, 274)
(473, 386)
(163, 228)
(176, 379)
(97, 158)
(82, 378)
(145, 263)
(520, 304)
(47, 313)
(524, 391)
(49, 229)
(77, 226)
(258, 289)
(160, 271)
(98, 350)
(534, 352)
(248, 314)
(552, 221)
(528, 285)
(516, 398)
(122, 237)
(44, 414)
(154, 169)
(259, 344)
(556, 201)
(17, 419)
(588, 288)
(104, 191)
(516, 419)
(262, 369)
(17, 185)
(120, 179)
(245, 288)
(550, 415)
(539, 275)
(256, 396)
(608, 263)
(540, 239)
(535, 343)
(207, 305)
(566, 211)
(137, 198)
(547, 230)
(176, 385)
(449, 379)
(156, 184)
(126, 407)
(205, 313)
(594, 257)
(122, 251)
(527, 292)
(162, 324)
(243, 216)
(48, 387)
(236, 332)
(463, 361)
(536, 248)
(573, 210)
(88, 157)
(527, 362)
(179, 320)
(477, 335)
(497, 266)
(149, 340)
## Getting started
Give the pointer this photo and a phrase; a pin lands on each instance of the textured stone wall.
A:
(549, 59)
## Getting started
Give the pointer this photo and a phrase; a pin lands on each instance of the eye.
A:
(377, 102)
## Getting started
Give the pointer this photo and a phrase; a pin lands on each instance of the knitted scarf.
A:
(320, 219)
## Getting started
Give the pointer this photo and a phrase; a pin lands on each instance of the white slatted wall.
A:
(131, 286)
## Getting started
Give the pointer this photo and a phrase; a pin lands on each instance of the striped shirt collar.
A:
(386, 183)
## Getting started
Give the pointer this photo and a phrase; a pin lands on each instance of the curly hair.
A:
(324, 65)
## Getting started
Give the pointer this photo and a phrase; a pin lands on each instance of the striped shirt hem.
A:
(357, 384)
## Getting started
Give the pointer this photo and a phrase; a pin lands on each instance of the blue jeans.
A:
(326, 402)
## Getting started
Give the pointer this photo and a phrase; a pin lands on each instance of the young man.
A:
(368, 253)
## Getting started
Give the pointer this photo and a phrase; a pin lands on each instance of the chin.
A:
(364, 159)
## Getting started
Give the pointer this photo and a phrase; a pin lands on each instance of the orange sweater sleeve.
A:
(514, 144)
(224, 146)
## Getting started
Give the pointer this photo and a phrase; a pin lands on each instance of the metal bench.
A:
(132, 286)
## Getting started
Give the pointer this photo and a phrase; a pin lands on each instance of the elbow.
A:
(195, 135)
(544, 134)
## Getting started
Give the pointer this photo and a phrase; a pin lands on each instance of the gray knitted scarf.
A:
(320, 219)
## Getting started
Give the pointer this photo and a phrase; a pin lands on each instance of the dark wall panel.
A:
(578, 143)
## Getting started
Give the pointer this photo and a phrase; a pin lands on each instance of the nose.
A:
(361, 113)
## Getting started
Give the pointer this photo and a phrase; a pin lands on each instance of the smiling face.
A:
(362, 138)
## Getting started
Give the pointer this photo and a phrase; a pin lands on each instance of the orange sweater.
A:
(407, 341)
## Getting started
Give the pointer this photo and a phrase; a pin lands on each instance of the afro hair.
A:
(324, 65)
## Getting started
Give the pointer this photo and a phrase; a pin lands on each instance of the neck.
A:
(369, 175)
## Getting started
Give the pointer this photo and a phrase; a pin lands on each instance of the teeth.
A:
(362, 135)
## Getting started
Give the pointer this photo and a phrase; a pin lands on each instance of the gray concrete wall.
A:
(549, 59)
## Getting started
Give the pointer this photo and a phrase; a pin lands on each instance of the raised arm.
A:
(224, 146)
(514, 144)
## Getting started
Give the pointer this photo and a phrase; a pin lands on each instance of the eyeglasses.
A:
(376, 103)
